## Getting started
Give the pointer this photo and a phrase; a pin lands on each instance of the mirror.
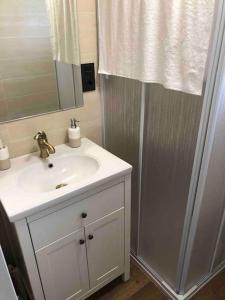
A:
(39, 58)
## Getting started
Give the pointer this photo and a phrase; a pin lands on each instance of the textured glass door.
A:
(170, 135)
(122, 104)
(208, 244)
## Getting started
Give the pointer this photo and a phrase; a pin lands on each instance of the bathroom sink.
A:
(33, 184)
(57, 173)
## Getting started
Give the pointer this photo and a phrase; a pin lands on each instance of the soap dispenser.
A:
(74, 134)
(4, 157)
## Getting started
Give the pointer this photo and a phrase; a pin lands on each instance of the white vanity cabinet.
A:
(73, 249)
(105, 247)
(63, 267)
(97, 250)
(69, 242)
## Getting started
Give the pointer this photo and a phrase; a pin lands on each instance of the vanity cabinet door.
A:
(63, 267)
(105, 247)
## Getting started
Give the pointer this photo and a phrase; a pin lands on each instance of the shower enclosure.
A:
(176, 144)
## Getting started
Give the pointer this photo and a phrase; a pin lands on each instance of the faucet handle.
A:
(40, 135)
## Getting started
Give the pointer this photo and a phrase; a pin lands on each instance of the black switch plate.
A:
(88, 77)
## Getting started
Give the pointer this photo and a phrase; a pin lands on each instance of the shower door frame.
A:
(203, 148)
(193, 204)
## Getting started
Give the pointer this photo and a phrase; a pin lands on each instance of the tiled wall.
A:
(27, 72)
(19, 134)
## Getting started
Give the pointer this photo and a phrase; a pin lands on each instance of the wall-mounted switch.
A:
(88, 77)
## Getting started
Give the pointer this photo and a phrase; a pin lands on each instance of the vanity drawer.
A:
(61, 223)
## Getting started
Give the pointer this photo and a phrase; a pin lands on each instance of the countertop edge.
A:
(17, 217)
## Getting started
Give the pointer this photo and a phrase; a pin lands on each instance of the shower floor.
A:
(140, 287)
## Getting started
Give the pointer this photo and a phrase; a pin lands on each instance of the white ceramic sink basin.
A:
(29, 186)
(59, 172)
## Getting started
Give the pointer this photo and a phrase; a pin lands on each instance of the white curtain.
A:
(64, 30)
(162, 41)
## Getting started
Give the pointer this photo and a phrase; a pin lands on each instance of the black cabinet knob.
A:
(82, 242)
(90, 236)
(84, 215)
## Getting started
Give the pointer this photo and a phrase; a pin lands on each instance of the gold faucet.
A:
(45, 148)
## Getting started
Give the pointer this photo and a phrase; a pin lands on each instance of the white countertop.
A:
(19, 204)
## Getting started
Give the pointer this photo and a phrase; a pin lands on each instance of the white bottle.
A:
(4, 157)
(74, 134)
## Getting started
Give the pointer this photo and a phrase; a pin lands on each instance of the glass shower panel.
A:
(122, 103)
(212, 207)
(170, 135)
